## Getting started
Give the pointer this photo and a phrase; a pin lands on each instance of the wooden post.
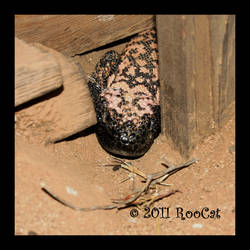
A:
(197, 75)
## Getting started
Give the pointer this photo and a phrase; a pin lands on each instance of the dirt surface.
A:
(74, 170)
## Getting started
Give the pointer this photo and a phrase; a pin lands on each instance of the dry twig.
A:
(138, 198)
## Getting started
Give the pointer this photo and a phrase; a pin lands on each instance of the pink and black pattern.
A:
(125, 91)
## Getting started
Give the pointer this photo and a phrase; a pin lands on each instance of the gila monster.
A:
(125, 92)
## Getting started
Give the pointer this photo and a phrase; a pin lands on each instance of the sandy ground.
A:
(74, 170)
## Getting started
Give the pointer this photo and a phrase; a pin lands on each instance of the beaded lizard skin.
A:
(125, 91)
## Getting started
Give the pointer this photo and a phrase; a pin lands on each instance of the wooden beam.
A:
(58, 115)
(36, 73)
(75, 34)
(196, 54)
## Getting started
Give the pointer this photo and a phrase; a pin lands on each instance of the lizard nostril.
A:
(124, 138)
(132, 138)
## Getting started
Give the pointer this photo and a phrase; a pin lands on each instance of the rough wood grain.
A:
(197, 74)
(75, 34)
(36, 72)
(222, 30)
(73, 110)
(66, 113)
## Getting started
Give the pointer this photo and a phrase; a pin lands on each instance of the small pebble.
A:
(231, 149)
(197, 225)
(72, 191)
(32, 233)
(105, 18)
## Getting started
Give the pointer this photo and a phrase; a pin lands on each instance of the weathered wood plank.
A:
(196, 54)
(75, 34)
(73, 110)
(222, 30)
(36, 72)
(69, 111)
(173, 80)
